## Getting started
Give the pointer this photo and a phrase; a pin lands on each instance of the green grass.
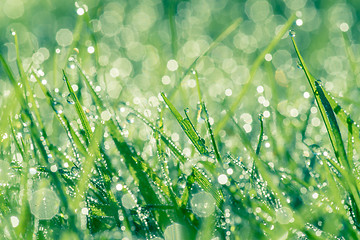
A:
(114, 168)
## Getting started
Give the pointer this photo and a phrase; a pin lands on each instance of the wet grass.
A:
(108, 187)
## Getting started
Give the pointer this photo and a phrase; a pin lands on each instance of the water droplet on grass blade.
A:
(130, 118)
(44, 204)
(203, 204)
(299, 65)
(292, 33)
(58, 107)
(69, 99)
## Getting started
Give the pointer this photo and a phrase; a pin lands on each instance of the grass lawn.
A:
(194, 119)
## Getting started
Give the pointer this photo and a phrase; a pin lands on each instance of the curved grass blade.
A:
(341, 154)
(327, 112)
(253, 69)
(188, 128)
(79, 109)
(25, 214)
(261, 135)
(213, 141)
(29, 96)
(75, 141)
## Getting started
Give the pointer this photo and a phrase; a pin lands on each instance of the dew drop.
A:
(292, 33)
(58, 107)
(69, 99)
(299, 65)
(130, 118)
(74, 171)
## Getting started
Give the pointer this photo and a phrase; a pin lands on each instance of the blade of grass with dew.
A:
(323, 113)
(261, 119)
(130, 157)
(260, 165)
(41, 144)
(339, 111)
(188, 128)
(213, 141)
(73, 137)
(80, 111)
(341, 154)
(76, 37)
(219, 39)
(145, 166)
(253, 69)
(327, 113)
(88, 165)
(29, 96)
(25, 214)
(199, 177)
(336, 108)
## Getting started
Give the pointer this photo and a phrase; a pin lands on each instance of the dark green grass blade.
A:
(188, 128)
(213, 141)
(261, 119)
(341, 154)
(326, 110)
(253, 70)
(80, 111)
(73, 137)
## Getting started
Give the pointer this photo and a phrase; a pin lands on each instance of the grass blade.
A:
(79, 109)
(188, 128)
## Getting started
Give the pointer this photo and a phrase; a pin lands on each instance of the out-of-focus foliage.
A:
(90, 148)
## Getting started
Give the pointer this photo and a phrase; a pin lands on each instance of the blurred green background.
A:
(133, 50)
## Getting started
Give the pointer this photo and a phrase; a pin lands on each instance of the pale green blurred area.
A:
(133, 58)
